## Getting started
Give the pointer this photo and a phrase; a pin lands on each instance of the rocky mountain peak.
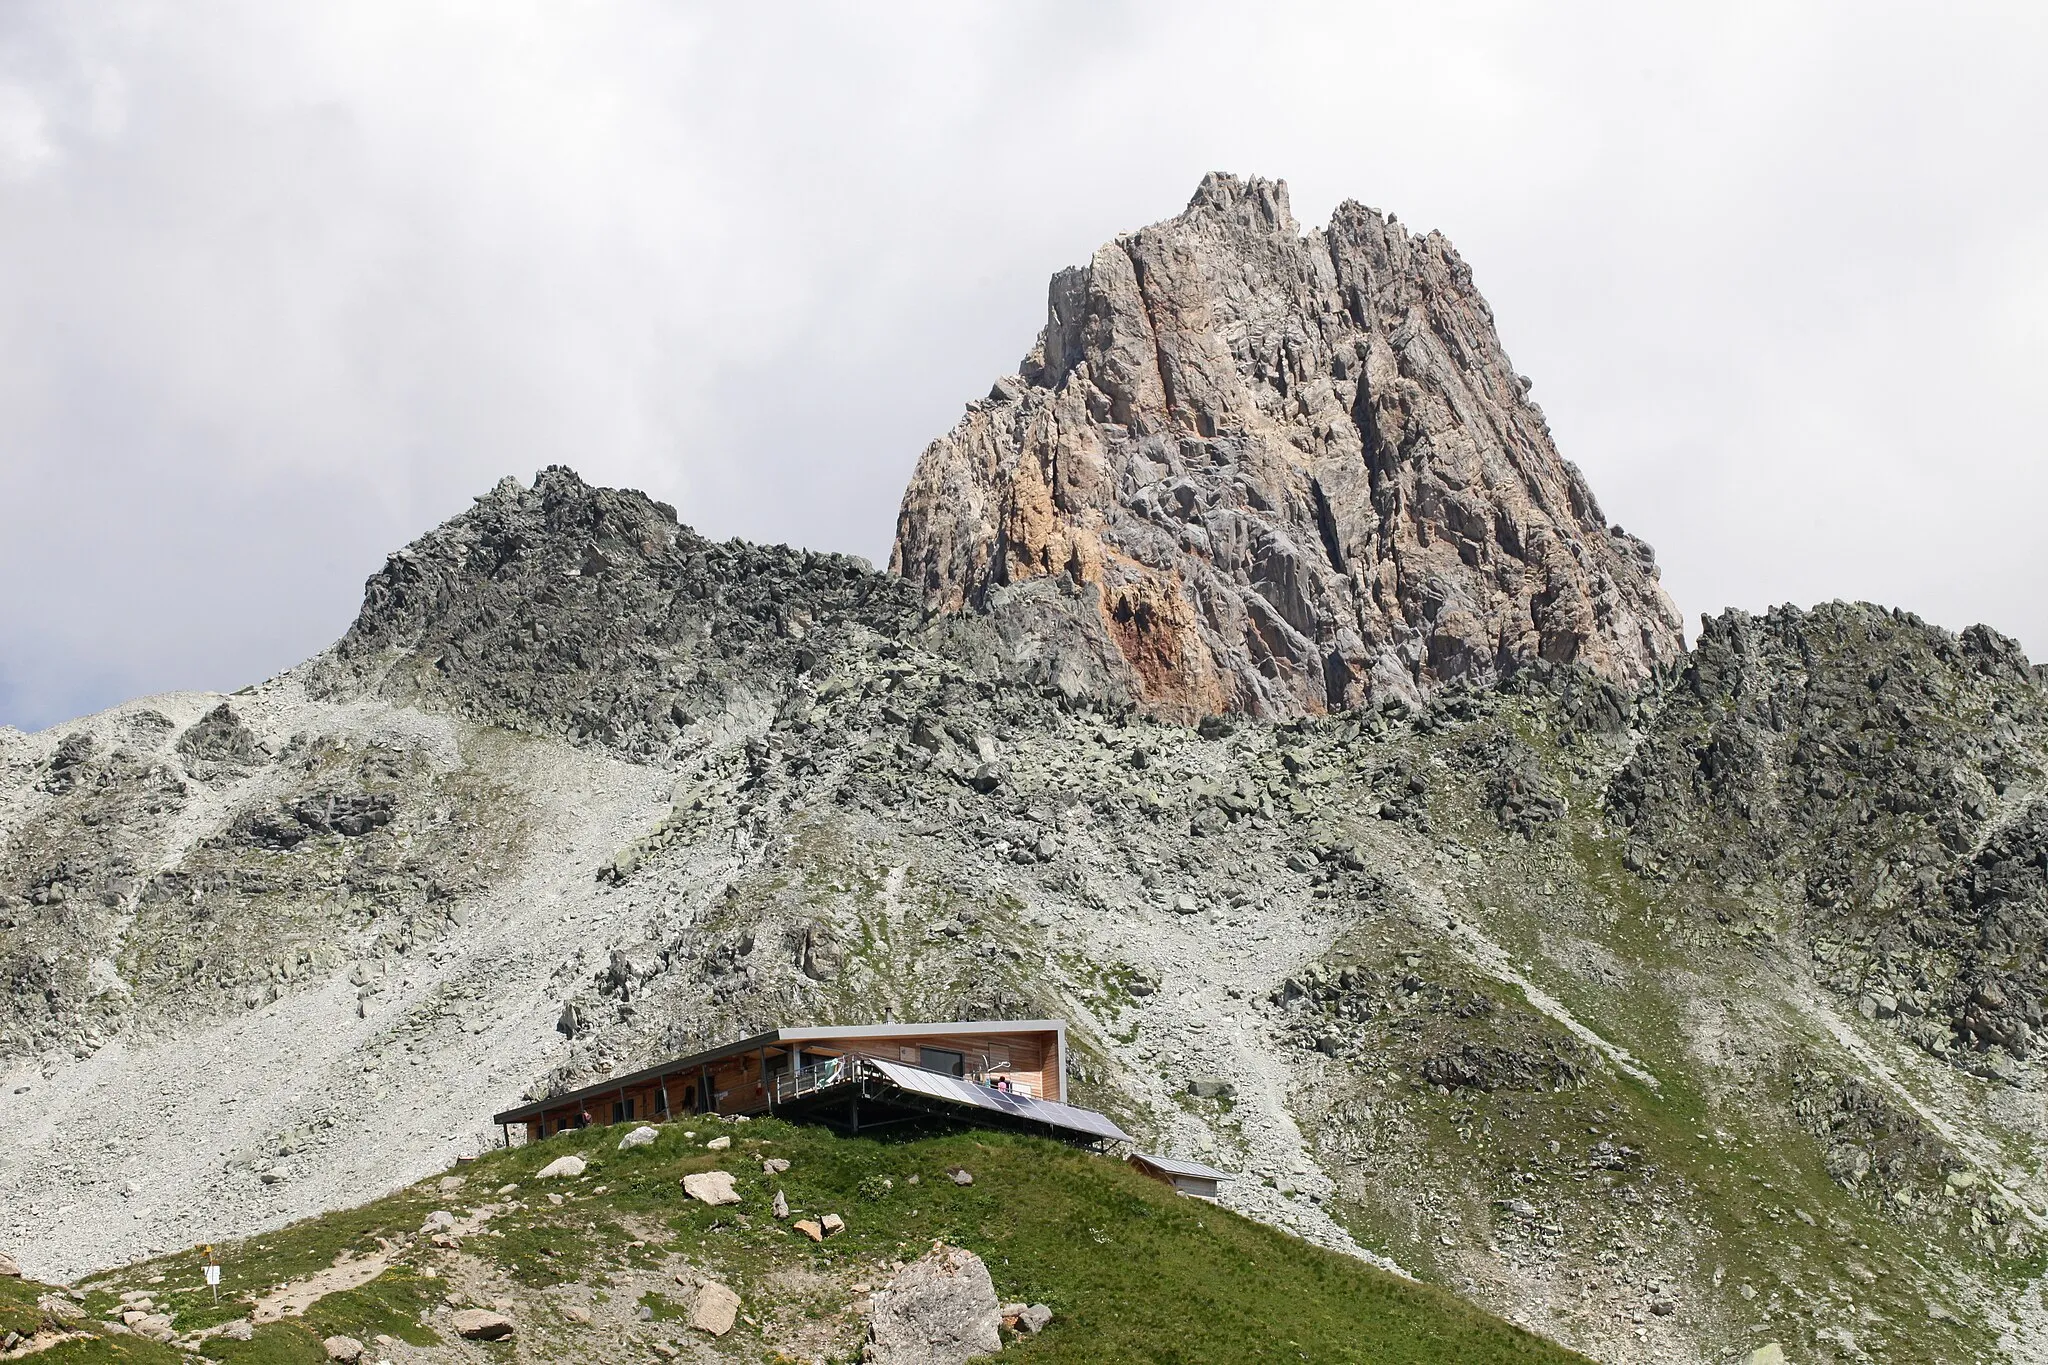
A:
(1281, 474)
(592, 614)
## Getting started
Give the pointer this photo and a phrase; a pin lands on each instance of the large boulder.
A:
(714, 1308)
(639, 1137)
(480, 1324)
(939, 1310)
(343, 1350)
(711, 1187)
(562, 1168)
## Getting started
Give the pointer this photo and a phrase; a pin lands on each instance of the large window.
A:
(942, 1059)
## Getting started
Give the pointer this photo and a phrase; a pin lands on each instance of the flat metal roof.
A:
(824, 1033)
(1174, 1166)
(830, 1031)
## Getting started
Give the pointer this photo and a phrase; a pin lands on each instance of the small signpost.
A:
(212, 1269)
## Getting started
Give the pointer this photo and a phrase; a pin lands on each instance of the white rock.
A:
(481, 1325)
(714, 1309)
(711, 1187)
(562, 1167)
(639, 1137)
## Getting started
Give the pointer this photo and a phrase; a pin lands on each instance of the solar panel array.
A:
(961, 1091)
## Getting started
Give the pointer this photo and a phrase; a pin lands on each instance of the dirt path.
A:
(352, 1273)
(295, 1298)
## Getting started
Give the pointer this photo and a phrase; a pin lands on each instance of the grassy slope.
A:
(1134, 1272)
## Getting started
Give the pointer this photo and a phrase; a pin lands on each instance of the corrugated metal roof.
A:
(1175, 1166)
(960, 1091)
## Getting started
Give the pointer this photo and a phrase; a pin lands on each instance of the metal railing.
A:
(821, 1076)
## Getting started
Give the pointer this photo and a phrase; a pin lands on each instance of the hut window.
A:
(943, 1060)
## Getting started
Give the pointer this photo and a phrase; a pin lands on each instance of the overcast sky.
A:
(283, 286)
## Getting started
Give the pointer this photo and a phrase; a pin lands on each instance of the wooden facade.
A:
(1028, 1056)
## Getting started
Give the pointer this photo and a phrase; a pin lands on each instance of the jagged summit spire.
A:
(1253, 203)
(1281, 473)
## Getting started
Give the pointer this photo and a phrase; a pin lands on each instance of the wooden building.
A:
(1009, 1073)
(1189, 1177)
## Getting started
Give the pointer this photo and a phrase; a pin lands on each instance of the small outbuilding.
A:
(1188, 1177)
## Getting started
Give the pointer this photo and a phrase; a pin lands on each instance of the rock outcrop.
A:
(941, 1309)
(589, 613)
(1280, 474)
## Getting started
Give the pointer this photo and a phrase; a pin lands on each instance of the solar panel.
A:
(960, 1091)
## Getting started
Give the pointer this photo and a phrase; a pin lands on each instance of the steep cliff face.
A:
(1287, 473)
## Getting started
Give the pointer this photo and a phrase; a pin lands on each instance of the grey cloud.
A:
(281, 287)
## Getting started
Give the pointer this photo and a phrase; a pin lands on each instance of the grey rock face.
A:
(1886, 770)
(219, 746)
(1280, 474)
(589, 613)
